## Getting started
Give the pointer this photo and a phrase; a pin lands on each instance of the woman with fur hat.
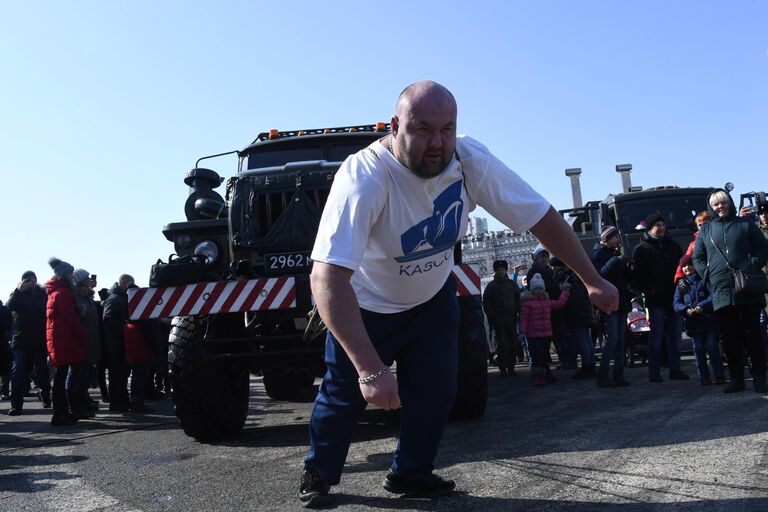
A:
(65, 336)
(536, 325)
(727, 243)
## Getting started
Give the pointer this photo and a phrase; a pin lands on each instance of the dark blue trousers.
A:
(424, 343)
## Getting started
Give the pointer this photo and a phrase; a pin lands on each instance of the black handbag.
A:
(178, 271)
(750, 281)
(747, 281)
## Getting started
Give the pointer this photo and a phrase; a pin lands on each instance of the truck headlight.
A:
(209, 250)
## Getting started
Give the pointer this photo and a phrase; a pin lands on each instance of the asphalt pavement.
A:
(569, 446)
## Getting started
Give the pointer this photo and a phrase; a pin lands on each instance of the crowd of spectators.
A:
(58, 342)
(691, 291)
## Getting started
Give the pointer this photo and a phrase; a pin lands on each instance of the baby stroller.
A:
(636, 337)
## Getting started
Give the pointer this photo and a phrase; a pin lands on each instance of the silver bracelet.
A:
(372, 377)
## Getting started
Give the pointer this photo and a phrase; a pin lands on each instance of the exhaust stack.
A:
(626, 181)
(575, 186)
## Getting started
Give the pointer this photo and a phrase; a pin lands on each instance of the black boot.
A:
(603, 380)
(618, 378)
(587, 371)
(62, 419)
(139, 407)
(734, 386)
(758, 381)
(76, 407)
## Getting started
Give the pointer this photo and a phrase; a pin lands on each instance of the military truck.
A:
(241, 303)
(627, 211)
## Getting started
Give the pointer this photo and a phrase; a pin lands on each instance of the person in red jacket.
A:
(138, 355)
(65, 336)
(536, 325)
(701, 219)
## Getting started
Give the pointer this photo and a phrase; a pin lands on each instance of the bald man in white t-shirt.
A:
(382, 283)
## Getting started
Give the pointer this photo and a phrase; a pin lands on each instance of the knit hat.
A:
(500, 264)
(607, 233)
(538, 250)
(28, 275)
(61, 268)
(686, 260)
(653, 219)
(80, 275)
(536, 282)
(554, 261)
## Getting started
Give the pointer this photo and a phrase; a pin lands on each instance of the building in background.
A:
(484, 247)
(477, 226)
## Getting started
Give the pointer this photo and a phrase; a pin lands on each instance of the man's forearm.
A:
(339, 309)
(560, 240)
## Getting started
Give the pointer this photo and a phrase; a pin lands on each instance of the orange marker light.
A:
(273, 133)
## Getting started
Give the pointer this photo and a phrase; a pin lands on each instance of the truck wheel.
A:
(287, 384)
(210, 397)
(472, 394)
(281, 385)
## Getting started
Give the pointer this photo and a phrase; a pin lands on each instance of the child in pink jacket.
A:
(536, 325)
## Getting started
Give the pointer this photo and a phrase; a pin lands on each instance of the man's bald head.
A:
(124, 280)
(424, 128)
(424, 92)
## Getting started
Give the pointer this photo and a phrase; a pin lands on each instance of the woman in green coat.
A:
(744, 246)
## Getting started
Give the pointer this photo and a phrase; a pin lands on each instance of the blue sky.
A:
(104, 106)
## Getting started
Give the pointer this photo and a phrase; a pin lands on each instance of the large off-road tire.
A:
(210, 396)
(287, 385)
(472, 394)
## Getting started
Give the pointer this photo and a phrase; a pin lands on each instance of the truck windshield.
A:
(283, 154)
(678, 210)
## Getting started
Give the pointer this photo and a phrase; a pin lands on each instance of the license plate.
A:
(286, 263)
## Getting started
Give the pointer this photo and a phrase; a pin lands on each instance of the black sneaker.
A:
(655, 377)
(431, 488)
(759, 385)
(313, 492)
(678, 375)
(15, 411)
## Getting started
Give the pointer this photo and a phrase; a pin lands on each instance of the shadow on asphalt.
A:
(460, 501)
(373, 424)
(573, 415)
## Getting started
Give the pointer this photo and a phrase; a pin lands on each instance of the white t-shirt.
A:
(397, 231)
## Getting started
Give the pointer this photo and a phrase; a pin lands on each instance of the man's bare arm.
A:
(339, 309)
(560, 240)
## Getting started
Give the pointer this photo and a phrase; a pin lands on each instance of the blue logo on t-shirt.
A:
(437, 233)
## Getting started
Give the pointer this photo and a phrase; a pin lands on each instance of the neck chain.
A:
(390, 146)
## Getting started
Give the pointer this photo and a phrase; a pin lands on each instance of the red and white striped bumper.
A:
(240, 296)
(212, 298)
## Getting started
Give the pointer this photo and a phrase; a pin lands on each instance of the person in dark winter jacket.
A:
(115, 317)
(743, 245)
(578, 316)
(694, 304)
(27, 305)
(5, 352)
(655, 261)
(81, 374)
(614, 267)
(536, 326)
(65, 337)
(101, 366)
(501, 302)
